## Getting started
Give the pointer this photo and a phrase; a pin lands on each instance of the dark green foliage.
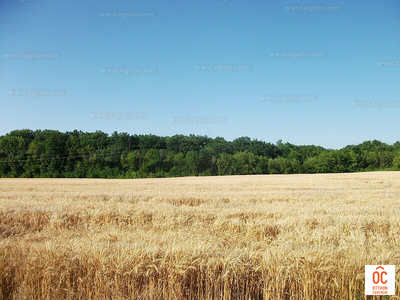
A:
(50, 153)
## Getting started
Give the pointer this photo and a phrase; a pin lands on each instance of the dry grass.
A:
(235, 237)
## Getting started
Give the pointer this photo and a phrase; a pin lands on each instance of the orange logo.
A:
(379, 280)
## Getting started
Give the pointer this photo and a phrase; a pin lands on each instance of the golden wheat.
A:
(234, 237)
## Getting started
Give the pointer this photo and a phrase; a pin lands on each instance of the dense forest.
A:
(50, 153)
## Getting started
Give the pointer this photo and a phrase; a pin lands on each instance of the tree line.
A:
(77, 154)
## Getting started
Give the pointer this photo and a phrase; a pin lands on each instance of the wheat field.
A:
(233, 237)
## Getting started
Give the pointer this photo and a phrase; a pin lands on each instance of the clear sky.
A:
(207, 67)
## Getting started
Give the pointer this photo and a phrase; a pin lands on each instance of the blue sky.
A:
(208, 67)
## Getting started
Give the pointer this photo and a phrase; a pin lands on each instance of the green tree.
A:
(193, 163)
(151, 162)
(130, 161)
(396, 163)
(244, 163)
(34, 164)
(223, 163)
(12, 155)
